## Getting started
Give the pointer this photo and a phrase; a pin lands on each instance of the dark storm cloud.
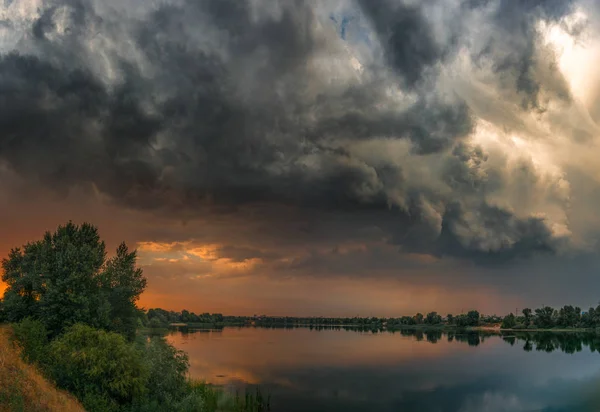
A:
(406, 36)
(224, 104)
(512, 237)
(515, 49)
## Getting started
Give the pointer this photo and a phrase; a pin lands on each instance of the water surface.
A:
(340, 370)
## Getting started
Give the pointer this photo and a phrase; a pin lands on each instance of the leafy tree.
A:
(568, 316)
(544, 317)
(122, 284)
(433, 318)
(473, 318)
(450, 319)
(185, 316)
(461, 321)
(527, 315)
(64, 279)
(509, 321)
(419, 318)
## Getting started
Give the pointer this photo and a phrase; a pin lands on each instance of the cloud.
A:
(404, 130)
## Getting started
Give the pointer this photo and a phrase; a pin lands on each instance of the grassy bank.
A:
(107, 373)
(23, 388)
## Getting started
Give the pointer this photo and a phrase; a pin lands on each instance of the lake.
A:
(344, 370)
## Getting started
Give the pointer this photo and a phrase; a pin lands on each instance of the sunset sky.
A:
(334, 157)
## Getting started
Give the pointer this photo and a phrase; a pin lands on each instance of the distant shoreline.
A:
(443, 328)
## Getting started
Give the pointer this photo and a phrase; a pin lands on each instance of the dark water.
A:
(339, 370)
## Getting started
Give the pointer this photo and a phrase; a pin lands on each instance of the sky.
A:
(333, 157)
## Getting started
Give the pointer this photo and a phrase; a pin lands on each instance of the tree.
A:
(433, 318)
(185, 316)
(419, 318)
(64, 279)
(509, 321)
(544, 317)
(569, 316)
(122, 284)
(527, 315)
(450, 319)
(473, 318)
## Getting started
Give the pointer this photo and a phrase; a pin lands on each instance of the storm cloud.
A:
(404, 125)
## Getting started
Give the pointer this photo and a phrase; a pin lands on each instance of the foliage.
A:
(33, 337)
(527, 316)
(75, 316)
(65, 279)
(544, 317)
(433, 318)
(509, 321)
(167, 369)
(22, 388)
(2, 313)
(568, 316)
(99, 367)
(215, 400)
(122, 283)
(470, 319)
(160, 318)
(473, 317)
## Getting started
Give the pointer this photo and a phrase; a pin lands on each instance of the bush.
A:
(99, 367)
(33, 339)
(2, 314)
(167, 369)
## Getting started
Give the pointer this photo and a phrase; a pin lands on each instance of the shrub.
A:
(167, 369)
(33, 339)
(99, 367)
(2, 314)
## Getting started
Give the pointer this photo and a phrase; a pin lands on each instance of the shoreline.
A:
(443, 328)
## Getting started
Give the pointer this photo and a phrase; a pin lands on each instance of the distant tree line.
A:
(567, 317)
(160, 318)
